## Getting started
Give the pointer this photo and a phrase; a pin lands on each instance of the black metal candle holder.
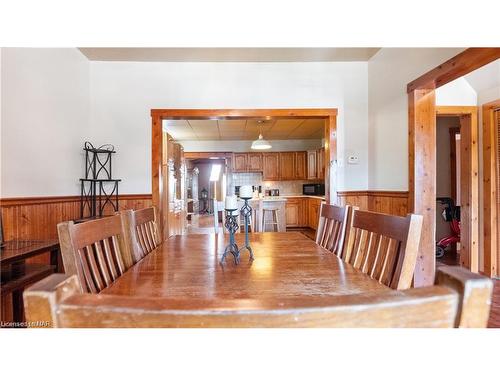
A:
(246, 211)
(232, 226)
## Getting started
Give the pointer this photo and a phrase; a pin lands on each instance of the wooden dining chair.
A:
(141, 231)
(459, 298)
(384, 246)
(96, 251)
(332, 225)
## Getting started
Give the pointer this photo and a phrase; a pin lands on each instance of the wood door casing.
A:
(271, 166)
(287, 166)
(158, 178)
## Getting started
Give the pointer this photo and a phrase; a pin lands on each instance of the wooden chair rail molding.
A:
(459, 299)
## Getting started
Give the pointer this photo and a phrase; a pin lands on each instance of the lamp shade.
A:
(261, 144)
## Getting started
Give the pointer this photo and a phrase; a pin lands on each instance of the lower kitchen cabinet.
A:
(313, 213)
(295, 215)
(302, 212)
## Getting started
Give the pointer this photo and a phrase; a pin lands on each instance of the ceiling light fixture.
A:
(261, 143)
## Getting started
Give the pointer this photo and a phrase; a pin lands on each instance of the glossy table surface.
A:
(287, 265)
(14, 251)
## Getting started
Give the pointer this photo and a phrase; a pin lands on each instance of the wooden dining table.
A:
(286, 266)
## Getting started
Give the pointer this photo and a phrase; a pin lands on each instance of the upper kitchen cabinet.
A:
(254, 162)
(240, 162)
(271, 166)
(301, 165)
(321, 163)
(312, 165)
(287, 165)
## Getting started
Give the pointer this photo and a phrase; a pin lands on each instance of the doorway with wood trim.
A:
(422, 159)
(457, 186)
(160, 174)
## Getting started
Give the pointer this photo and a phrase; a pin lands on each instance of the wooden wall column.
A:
(490, 196)
(157, 184)
(422, 178)
(469, 194)
(331, 160)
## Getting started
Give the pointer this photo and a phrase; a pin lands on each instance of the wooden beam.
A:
(422, 178)
(215, 114)
(456, 67)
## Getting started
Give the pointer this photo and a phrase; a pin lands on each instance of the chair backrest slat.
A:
(94, 251)
(141, 231)
(331, 232)
(384, 246)
(459, 299)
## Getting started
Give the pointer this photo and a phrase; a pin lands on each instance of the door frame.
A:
(490, 193)
(422, 148)
(469, 182)
(157, 158)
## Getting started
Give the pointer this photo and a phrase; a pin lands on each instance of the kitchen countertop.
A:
(280, 198)
(322, 197)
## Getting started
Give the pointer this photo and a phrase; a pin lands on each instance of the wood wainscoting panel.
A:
(387, 202)
(37, 217)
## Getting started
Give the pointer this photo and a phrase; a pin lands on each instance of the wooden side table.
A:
(16, 274)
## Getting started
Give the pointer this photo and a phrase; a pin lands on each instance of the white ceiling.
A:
(205, 130)
(229, 54)
(485, 77)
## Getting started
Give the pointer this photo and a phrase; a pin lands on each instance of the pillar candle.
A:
(246, 191)
(231, 202)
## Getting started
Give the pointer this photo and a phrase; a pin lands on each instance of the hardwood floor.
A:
(494, 321)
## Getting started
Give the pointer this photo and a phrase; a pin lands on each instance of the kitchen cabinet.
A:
(312, 165)
(321, 163)
(240, 162)
(254, 162)
(287, 166)
(301, 165)
(271, 166)
(313, 212)
(282, 166)
(296, 209)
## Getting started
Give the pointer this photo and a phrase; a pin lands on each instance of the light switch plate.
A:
(353, 159)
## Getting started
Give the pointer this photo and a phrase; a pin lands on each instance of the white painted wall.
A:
(389, 72)
(45, 108)
(245, 146)
(122, 94)
(457, 92)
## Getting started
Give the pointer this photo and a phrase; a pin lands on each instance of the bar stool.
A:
(274, 217)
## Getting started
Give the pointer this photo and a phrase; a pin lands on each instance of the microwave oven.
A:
(313, 189)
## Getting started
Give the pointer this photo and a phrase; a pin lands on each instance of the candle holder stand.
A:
(246, 211)
(231, 224)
